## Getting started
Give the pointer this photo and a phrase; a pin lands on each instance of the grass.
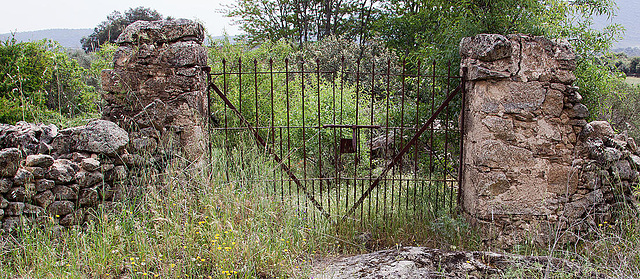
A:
(189, 221)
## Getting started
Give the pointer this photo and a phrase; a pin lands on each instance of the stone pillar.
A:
(157, 88)
(523, 120)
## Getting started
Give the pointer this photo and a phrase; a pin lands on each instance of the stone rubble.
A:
(62, 183)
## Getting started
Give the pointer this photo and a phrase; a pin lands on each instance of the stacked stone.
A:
(609, 171)
(82, 169)
(157, 89)
(523, 121)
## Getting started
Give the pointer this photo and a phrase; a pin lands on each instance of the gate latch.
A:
(348, 145)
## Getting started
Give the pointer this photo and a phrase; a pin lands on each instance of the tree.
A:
(110, 29)
(301, 20)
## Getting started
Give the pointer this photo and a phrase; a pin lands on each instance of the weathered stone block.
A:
(11, 223)
(623, 170)
(5, 185)
(62, 171)
(3, 202)
(162, 31)
(493, 183)
(88, 179)
(562, 180)
(98, 136)
(14, 209)
(33, 209)
(501, 127)
(62, 192)
(44, 199)
(576, 209)
(553, 103)
(486, 47)
(88, 197)
(17, 194)
(72, 219)
(9, 162)
(22, 177)
(495, 154)
(119, 173)
(37, 172)
(60, 208)
(579, 111)
(39, 160)
(44, 184)
(90, 164)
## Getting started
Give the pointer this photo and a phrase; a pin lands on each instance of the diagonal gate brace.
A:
(263, 144)
(404, 150)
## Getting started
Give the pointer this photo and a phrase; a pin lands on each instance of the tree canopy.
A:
(110, 29)
(413, 27)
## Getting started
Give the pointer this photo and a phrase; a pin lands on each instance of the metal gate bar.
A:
(308, 146)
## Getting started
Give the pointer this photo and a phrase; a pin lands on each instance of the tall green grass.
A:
(189, 221)
(216, 219)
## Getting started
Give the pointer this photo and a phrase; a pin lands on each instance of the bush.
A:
(40, 78)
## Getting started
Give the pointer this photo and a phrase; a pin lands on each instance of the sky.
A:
(32, 15)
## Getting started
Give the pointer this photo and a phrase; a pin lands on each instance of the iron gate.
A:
(348, 141)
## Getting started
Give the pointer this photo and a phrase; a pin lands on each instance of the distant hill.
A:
(68, 38)
(629, 51)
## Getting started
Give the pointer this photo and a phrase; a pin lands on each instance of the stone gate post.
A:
(157, 88)
(523, 119)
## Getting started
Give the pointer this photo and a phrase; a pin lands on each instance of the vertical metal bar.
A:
(240, 104)
(255, 85)
(342, 122)
(371, 92)
(463, 81)
(342, 90)
(415, 146)
(335, 142)
(386, 142)
(339, 133)
(433, 100)
(400, 165)
(320, 174)
(226, 125)
(240, 85)
(304, 136)
(208, 117)
(356, 137)
(273, 131)
(446, 142)
(286, 71)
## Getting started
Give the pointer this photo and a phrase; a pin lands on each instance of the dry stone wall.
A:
(50, 175)
(528, 174)
(157, 88)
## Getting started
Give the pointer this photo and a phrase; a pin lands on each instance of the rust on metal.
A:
(358, 141)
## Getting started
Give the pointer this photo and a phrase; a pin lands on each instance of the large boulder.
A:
(98, 136)
(162, 31)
